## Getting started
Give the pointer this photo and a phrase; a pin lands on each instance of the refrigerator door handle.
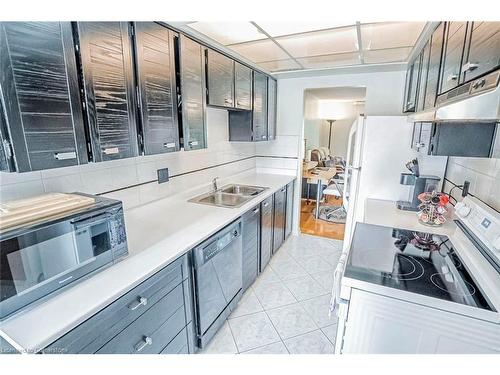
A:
(337, 284)
(353, 168)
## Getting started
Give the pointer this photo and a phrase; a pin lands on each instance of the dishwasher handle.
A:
(215, 245)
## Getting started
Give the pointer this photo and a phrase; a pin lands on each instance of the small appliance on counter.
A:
(47, 242)
(433, 208)
(419, 184)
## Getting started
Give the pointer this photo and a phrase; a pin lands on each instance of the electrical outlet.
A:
(162, 175)
(465, 189)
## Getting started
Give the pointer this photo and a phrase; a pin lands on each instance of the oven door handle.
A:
(78, 223)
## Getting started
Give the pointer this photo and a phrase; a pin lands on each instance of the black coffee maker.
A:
(419, 184)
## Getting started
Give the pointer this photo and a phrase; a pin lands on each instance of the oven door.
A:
(36, 263)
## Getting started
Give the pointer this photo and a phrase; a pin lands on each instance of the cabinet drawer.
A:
(92, 334)
(179, 345)
(153, 330)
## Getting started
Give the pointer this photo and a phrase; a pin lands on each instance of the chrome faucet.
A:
(214, 184)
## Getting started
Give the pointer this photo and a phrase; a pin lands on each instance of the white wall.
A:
(96, 178)
(386, 149)
(384, 96)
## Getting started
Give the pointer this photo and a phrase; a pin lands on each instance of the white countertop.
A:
(384, 212)
(157, 233)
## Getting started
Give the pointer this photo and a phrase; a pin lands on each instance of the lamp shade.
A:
(334, 109)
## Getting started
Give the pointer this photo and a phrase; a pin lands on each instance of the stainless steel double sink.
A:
(231, 196)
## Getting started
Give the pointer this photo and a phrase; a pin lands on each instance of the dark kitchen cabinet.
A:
(435, 52)
(192, 86)
(243, 86)
(452, 55)
(411, 86)
(250, 235)
(220, 79)
(424, 70)
(279, 218)
(259, 115)
(154, 317)
(266, 239)
(42, 123)
(156, 82)
(482, 49)
(289, 209)
(108, 77)
(272, 102)
(455, 139)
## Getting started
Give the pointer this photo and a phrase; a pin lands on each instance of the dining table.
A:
(319, 176)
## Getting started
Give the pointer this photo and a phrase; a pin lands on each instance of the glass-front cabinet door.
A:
(483, 54)
(192, 77)
(452, 55)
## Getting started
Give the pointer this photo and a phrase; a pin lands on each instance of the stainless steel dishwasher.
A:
(218, 280)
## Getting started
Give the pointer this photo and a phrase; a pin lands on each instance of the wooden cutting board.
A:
(30, 210)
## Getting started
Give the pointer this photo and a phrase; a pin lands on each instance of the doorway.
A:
(330, 114)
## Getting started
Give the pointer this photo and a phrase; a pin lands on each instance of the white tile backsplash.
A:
(483, 175)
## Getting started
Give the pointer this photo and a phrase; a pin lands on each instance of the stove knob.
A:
(462, 209)
(496, 243)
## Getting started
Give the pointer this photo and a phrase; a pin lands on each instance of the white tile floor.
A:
(286, 310)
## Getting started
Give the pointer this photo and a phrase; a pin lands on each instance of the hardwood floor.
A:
(310, 225)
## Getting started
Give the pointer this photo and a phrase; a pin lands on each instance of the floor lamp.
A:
(330, 136)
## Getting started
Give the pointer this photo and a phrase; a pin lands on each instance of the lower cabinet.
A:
(279, 218)
(289, 209)
(266, 240)
(250, 232)
(154, 317)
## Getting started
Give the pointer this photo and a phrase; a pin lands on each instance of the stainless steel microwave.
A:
(42, 258)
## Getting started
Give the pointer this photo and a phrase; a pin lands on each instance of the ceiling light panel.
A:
(321, 42)
(263, 50)
(390, 34)
(280, 65)
(276, 29)
(228, 32)
(330, 61)
(382, 56)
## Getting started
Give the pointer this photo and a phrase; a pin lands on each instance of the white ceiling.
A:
(289, 46)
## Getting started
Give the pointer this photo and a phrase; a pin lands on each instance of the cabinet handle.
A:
(266, 204)
(193, 143)
(264, 137)
(111, 151)
(228, 101)
(141, 301)
(452, 77)
(146, 340)
(64, 155)
(169, 145)
(256, 210)
(469, 67)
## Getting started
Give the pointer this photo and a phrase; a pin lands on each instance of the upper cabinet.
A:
(422, 82)
(432, 81)
(156, 82)
(259, 115)
(42, 117)
(107, 66)
(452, 55)
(220, 79)
(272, 102)
(455, 54)
(242, 86)
(411, 86)
(483, 53)
(192, 86)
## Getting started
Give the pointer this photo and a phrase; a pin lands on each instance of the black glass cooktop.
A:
(416, 262)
